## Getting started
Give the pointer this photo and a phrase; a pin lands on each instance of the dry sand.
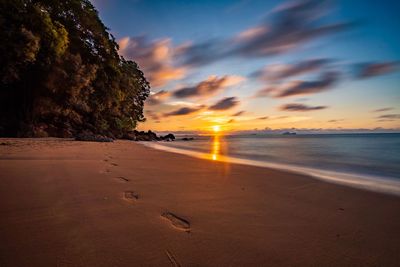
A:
(67, 203)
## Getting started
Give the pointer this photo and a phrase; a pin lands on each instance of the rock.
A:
(50, 129)
(142, 136)
(146, 136)
(89, 136)
(152, 136)
(187, 139)
(129, 136)
(65, 130)
(65, 133)
(40, 131)
(168, 137)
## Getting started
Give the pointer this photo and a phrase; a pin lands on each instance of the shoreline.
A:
(364, 182)
(69, 203)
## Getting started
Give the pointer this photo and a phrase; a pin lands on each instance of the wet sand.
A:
(67, 203)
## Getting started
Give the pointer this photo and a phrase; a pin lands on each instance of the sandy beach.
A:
(69, 203)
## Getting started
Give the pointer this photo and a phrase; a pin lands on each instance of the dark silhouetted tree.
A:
(60, 72)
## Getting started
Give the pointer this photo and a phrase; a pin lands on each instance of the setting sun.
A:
(216, 128)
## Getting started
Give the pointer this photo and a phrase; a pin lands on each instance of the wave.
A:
(371, 183)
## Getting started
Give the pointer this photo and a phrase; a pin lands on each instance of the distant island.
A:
(289, 133)
(61, 74)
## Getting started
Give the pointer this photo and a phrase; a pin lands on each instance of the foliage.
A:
(60, 72)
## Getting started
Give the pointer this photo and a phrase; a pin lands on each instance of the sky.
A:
(259, 64)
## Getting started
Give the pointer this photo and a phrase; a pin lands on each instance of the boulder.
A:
(152, 136)
(146, 136)
(168, 137)
(65, 133)
(40, 131)
(129, 136)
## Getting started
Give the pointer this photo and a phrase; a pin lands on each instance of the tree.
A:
(60, 72)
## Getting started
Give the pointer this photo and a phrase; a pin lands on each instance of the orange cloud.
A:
(156, 98)
(211, 86)
(154, 58)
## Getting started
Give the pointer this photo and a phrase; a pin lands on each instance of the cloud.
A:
(263, 118)
(183, 111)
(156, 98)
(211, 86)
(293, 24)
(225, 104)
(154, 116)
(193, 55)
(321, 130)
(287, 119)
(184, 104)
(382, 109)
(372, 69)
(325, 82)
(238, 113)
(333, 121)
(390, 116)
(383, 120)
(154, 58)
(251, 33)
(288, 28)
(276, 72)
(266, 92)
(300, 107)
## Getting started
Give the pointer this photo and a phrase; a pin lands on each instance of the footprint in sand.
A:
(122, 179)
(114, 164)
(105, 171)
(176, 221)
(172, 258)
(131, 196)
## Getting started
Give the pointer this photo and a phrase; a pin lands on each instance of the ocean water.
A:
(370, 161)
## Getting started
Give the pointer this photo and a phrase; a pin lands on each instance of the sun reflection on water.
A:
(215, 147)
(219, 152)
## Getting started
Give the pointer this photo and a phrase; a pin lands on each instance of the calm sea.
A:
(371, 161)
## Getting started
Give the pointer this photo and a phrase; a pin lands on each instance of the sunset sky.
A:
(256, 64)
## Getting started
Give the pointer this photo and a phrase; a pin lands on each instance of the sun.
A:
(216, 128)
